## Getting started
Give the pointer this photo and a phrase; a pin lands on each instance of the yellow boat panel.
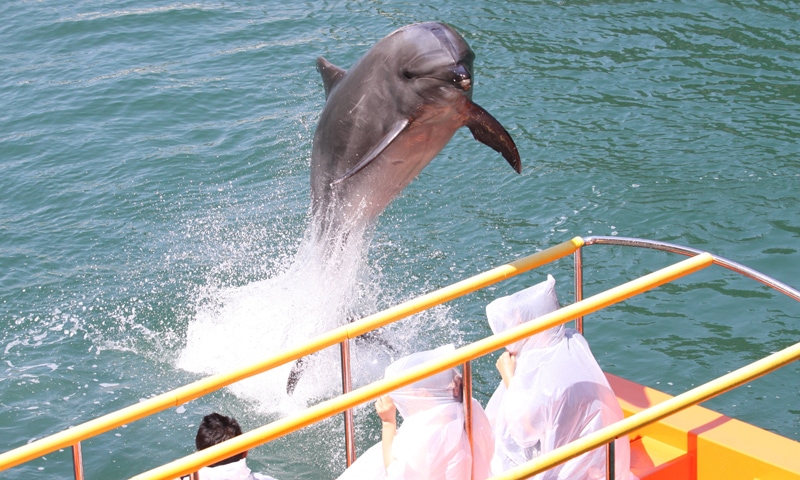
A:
(700, 444)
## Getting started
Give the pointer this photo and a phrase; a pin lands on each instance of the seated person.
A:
(214, 429)
(553, 392)
(431, 443)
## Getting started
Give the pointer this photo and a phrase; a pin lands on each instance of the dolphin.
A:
(387, 117)
(384, 120)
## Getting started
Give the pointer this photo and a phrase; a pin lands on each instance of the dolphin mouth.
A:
(462, 78)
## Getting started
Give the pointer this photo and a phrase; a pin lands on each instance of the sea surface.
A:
(154, 196)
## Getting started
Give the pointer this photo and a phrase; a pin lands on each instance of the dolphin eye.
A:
(408, 74)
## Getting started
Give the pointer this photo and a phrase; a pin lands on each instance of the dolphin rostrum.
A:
(387, 117)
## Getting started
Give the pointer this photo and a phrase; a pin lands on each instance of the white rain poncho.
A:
(231, 471)
(558, 393)
(431, 442)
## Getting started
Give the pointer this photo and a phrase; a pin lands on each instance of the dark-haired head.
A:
(214, 429)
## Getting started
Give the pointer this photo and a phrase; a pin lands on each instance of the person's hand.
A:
(387, 413)
(506, 365)
(386, 409)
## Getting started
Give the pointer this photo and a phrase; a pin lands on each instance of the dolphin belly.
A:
(369, 193)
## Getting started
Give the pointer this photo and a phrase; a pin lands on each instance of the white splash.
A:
(320, 290)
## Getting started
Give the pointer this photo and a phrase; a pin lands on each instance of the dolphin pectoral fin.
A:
(331, 74)
(487, 130)
(377, 149)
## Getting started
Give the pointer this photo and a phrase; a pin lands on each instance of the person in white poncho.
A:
(431, 443)
(553, 391)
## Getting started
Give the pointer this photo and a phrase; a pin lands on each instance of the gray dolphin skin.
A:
(387, 117)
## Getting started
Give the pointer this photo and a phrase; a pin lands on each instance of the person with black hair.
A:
(214, 429)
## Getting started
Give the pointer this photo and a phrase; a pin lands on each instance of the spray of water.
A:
(327, 283)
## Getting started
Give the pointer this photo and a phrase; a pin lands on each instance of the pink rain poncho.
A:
(431, 443)
(558, 393)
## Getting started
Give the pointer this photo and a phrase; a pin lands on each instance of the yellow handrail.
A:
(479, 348)
(210, 384)
(653, 414)
(350, 400)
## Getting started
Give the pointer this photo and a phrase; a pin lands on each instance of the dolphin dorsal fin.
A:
(331, 74)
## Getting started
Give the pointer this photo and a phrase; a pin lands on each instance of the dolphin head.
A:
(434, 62)
(388, 116)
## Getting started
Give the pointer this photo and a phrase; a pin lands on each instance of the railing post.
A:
(77, 461)
(578, 287)
(347, 386)
(466, 381)
(611, 460)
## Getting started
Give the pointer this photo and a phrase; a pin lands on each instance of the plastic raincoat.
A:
(231, 471)
(558, 393)
(431, 443)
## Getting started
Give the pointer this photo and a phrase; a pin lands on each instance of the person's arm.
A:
(387, 413)
(506, 365)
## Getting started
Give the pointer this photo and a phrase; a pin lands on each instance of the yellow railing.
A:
(464, 354)
(182, 395)
(364, 394)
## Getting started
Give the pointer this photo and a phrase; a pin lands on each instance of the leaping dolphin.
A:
(387, 117)
(384, 120)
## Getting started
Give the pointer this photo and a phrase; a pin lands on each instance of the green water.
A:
(154, 166)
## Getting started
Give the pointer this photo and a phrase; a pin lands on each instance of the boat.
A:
(672, 437)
